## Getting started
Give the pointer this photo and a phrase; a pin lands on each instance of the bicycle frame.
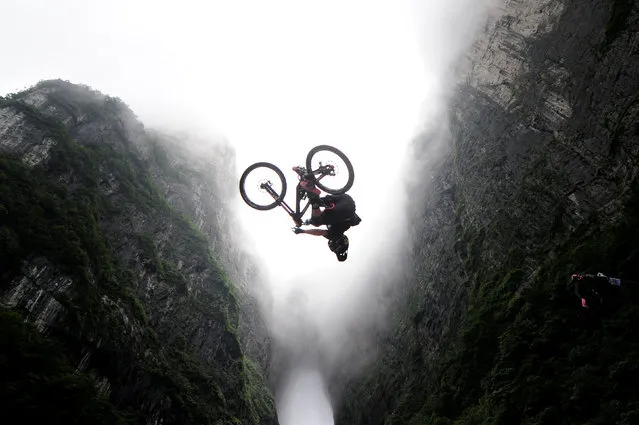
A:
(300, 195)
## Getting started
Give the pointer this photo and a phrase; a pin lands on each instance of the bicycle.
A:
(321, 173)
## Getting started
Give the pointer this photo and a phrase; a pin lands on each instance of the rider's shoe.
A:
(310, 188)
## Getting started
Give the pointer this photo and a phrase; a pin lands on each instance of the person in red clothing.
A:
(592, 289)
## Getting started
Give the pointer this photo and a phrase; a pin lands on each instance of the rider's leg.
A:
(316, 214)
(310, 188)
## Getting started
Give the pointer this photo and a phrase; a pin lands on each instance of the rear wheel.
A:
(342, 177)
(254, 183)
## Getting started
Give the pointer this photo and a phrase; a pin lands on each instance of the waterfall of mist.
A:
(303, 399)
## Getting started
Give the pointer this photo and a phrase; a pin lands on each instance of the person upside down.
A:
(338, 216)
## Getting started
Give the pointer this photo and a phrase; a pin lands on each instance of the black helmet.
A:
(339, 246)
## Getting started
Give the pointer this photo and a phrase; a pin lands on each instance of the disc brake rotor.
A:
(331, 179)
(259, 184)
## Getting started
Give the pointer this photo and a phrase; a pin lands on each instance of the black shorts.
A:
(343, 209)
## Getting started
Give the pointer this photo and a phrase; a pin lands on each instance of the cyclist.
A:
(338, 216)
(591, 289)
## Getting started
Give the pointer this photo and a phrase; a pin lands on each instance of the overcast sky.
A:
(275, 78)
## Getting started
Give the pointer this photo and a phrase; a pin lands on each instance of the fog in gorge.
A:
(275, 79)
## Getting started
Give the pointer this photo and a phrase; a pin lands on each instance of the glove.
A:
(297, 230)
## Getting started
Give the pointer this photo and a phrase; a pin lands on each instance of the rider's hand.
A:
(297, 230)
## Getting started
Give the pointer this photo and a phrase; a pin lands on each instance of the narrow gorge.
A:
(130, 295)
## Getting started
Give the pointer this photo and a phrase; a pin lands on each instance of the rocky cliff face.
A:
(115, 244)
(537, 181)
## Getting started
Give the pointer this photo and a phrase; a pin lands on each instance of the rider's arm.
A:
(315, 232)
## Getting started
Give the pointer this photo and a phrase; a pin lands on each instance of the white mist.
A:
(304, 400)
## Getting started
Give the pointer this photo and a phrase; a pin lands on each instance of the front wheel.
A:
(343, 175)
(263, 186)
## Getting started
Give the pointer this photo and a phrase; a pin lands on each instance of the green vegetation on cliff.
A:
(40, 385)
(133, 367)
(492, 332)
(527, 353)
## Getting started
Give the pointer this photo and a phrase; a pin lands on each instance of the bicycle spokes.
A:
(263, 186)
(327, 167)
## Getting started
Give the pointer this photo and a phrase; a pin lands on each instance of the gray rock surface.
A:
(541, 138)
(186, 304)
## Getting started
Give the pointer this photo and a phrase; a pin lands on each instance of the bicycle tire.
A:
(247, 199)
(343, 157)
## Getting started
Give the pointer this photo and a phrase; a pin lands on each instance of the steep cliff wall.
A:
(537, 181)
(199, 179)
(116, 247)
